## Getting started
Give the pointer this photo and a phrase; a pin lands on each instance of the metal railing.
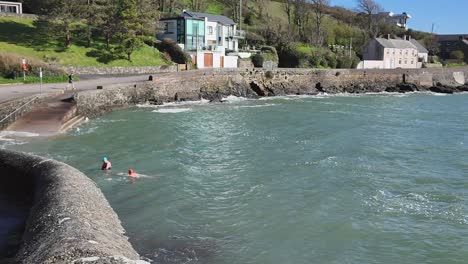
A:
(16, 110)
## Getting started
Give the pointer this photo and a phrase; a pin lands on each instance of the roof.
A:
(452, 37)
(391, 14)
(212, 18)
(421, 48)
(396, 43)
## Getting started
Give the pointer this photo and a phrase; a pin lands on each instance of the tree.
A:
(370, 8)
(135, 24)
(319, 7)
(62, 13)
(301, 17)
(288, 8)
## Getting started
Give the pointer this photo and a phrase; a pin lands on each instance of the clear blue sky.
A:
(449, 16)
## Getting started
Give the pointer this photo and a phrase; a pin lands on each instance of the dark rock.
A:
(403, 88)
(442, 89)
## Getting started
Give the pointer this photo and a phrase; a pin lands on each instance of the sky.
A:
(448, 16)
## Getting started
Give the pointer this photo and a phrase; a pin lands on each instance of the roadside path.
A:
(8, 92)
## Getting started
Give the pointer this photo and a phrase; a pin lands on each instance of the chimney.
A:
(388, 36)
(409, 37)
(404, 37)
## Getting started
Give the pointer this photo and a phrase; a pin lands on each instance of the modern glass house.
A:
(208, 38)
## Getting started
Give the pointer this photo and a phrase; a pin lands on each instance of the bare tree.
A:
(301, 17)
(288, 8)
(371, 9)
(319, 7)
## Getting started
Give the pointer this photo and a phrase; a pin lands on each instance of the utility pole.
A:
(350, 46)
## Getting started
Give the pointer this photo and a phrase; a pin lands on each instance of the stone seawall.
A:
(70, 220)
(253, 83)
(78, 70)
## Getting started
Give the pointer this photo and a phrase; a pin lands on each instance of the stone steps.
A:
(72, 123)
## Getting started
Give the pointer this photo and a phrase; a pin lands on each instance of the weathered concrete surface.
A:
(47, 118)
(70, 220)
(23, 105)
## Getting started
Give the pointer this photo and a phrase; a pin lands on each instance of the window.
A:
(412, 62)
(210, 30)
(399, 62)
(401, 52)
(195, 34)
(406, 62)
(406, 52)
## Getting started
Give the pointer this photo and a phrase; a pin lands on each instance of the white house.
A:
(211, 40)
(400, 20)
(386, 53)
(11, 7)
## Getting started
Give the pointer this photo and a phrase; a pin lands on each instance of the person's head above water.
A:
(104, 159)
(130, 172)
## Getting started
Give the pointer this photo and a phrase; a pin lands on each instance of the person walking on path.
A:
(70, 82)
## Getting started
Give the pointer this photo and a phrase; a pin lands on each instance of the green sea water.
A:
(324, 179)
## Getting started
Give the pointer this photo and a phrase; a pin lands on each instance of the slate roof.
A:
(212, 18)
(452, 37)
(421, 48)
(401, 44)
(395, 43)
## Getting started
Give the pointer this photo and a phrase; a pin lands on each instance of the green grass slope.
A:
(21, 37)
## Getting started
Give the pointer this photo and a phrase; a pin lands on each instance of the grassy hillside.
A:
(22, 38)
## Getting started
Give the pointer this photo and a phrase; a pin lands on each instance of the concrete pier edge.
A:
(70, 220)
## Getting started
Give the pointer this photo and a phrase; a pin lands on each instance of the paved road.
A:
(8, 92)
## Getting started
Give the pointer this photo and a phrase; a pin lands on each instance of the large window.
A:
(180, 31)
(195, 34)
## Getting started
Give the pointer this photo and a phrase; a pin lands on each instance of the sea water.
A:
(324, 179)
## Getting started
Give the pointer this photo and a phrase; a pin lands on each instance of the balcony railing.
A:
(238, 34)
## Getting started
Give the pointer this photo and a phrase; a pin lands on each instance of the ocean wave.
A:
(20, 134)
(232, 98)
(172, 110)
(174, 104)
(416, 204)
(255, 106)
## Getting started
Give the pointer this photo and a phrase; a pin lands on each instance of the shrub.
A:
(257, 60)
(331, 60)
(457, 55)
(174, 51)
(11, 67)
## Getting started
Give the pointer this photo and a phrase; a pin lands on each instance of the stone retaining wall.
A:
(117, 70)
(70, 220)
(215, 84)
(31, 16)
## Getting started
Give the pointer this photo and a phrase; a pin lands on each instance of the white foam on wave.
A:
(415, 204)
(172, 110)
(21, 134)
(255, 106)
(175, 104)
(232, 98)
